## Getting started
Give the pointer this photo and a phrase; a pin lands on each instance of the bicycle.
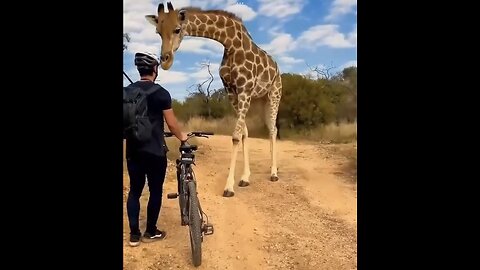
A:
(191, 213)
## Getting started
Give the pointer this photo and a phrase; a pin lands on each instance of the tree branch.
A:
(127, 38)
(322, 72)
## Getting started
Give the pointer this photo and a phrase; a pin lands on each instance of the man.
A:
(149, 158)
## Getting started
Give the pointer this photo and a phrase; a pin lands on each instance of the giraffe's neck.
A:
(229, 32)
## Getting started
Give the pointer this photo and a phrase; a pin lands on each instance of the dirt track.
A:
(306, 220)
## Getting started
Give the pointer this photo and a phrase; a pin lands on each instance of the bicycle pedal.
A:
(208, 229)
(172, 195)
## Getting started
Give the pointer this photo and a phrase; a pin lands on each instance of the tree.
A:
(323, 72)
(127, 38)
(204, 93)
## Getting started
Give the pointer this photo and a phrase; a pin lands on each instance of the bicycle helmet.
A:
(146, 59)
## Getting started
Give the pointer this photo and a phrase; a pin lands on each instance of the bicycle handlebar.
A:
(192, 134)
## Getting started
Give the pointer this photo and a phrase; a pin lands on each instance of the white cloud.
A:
(352, 63)
(171, 77)
(176, 3)
(134, 47)
(243, 11)
(280, 9)
(332, 69)
(139, 6)
(282, 43)
(290, 60)
(146, 4)
(200, 46)
(341, 7)
(142, 34)
(211, 3)
(202, 72)
(326, 35)
(134, 22)
(275, 30)
(352, 36)
(165, 77)
(315, 36)
(308, 73)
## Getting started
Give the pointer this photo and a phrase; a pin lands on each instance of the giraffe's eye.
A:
(177, 31)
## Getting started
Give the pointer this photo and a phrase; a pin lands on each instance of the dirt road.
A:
(306, 220)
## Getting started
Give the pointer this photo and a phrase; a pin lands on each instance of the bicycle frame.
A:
(185, 174)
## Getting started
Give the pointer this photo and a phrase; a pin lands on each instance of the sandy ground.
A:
(306, 220)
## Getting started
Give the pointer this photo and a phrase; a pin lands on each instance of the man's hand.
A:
(184, 137)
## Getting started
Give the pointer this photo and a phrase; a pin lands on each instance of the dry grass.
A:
(173, 144)
(332, 133)
(226, 125)
(351, 166)
(341, 133)
(222, 126)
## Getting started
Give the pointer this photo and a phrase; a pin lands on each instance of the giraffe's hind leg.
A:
(271, 111)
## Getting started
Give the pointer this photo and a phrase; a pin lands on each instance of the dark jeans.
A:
(154, 168)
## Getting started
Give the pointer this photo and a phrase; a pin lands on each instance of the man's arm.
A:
(165, 105)
(173, 125)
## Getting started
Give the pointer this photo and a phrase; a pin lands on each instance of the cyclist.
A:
(149, 159)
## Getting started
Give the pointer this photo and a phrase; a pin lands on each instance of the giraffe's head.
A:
(170, 26)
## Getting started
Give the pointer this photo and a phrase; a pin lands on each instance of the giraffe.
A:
(247, 72)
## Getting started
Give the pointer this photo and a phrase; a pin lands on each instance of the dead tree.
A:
(127, 38)
(322, 72)
(204, 93)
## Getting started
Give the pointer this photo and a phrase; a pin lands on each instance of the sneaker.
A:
(159, 235)
(134, 240)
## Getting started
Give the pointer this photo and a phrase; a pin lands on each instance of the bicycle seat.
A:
(188, 148)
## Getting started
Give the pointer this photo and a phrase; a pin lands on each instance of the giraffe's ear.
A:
(181, 15)
(153, 19)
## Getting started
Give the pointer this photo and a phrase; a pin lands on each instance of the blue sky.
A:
(297, 33)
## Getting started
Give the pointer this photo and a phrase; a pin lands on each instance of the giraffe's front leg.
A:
(241, 107)
(237, 135)
(228, 191)
(245, 180)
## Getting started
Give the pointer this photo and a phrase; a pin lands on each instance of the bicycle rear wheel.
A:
(195, 225)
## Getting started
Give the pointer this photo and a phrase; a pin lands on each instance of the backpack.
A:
(136, 123)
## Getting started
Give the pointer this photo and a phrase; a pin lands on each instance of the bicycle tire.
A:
(195, 225)
(182, 200)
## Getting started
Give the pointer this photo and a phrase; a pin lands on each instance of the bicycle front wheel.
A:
(195, 225)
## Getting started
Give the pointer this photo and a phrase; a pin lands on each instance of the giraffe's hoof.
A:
(243, 183)
(274, 178)
(228, 193)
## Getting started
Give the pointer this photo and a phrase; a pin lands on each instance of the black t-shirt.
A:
(157, 102)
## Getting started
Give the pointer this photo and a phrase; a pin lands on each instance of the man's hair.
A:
(145, 71)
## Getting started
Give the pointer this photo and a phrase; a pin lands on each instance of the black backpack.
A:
(136, 124)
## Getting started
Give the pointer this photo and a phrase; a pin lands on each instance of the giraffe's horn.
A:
(169, 6)
(160, 8)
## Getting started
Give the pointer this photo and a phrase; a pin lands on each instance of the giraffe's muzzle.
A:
(165, 57)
